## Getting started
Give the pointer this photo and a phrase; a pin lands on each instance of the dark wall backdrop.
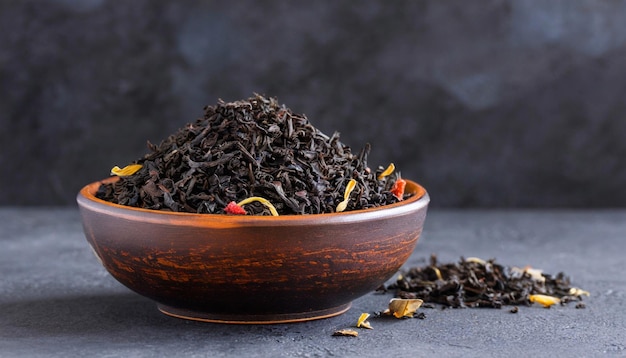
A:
(489, 104)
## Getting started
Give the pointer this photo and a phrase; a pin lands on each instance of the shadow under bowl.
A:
(252, 269)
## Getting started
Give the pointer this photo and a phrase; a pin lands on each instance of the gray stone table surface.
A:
(57, 301)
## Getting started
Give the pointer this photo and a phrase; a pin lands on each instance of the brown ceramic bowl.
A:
(252, 269)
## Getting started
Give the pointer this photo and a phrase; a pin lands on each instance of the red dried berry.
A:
(234, 209)
(398, 188)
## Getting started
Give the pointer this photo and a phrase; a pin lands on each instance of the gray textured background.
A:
(493, 104)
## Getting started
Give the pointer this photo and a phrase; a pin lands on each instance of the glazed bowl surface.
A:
(252, 269)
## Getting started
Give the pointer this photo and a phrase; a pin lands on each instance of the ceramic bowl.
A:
(252, 269)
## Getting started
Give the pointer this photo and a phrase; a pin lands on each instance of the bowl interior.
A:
(419, 197)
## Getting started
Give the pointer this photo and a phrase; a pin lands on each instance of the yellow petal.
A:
(387, 171)
(362, 321)
(260, 200)
(349, 188)
(401, 307)
(346, 196)
(126, 171)
(342, 206)
(438, 273)
(476, 260)
(544, 300)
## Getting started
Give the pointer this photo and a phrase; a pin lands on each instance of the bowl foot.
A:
(253, 319)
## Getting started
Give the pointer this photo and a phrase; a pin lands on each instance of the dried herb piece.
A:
(362, 321)
(535, 274)
(474, 282)
(263, 201)
(253, 148)
(346, 333)
(575, 291)
(403, 307)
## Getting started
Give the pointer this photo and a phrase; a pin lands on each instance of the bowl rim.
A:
(86, 199)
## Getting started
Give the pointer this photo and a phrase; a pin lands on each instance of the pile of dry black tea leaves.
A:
(257, 152)
(473, 282)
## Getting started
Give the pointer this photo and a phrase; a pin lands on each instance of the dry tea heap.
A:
(474, 282)
(253, 148)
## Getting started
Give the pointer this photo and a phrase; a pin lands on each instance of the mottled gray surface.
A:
(492, 104)
(57, 301)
